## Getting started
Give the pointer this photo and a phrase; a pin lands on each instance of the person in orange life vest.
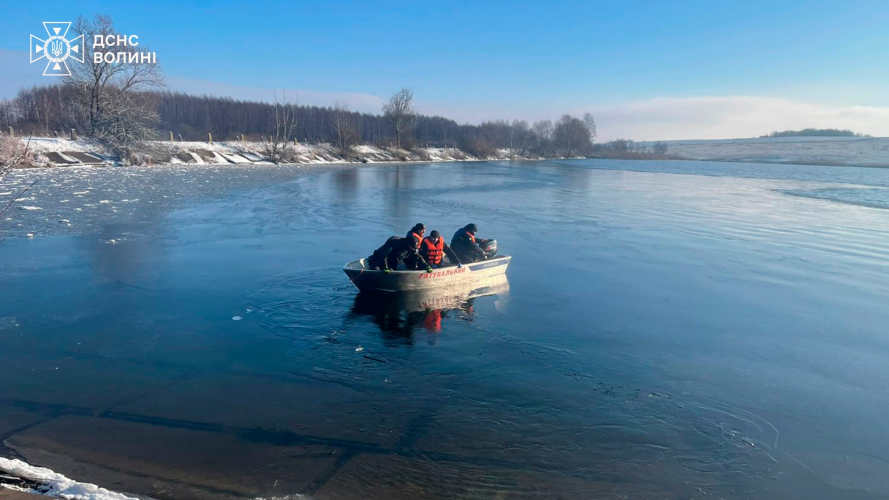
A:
(433, 249)
(417, 232)
(416, 236)
(465, 244)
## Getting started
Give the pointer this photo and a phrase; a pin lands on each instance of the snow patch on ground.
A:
(58, 144)
(54, 484)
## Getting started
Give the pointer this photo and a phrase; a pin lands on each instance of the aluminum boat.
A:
(444, 278)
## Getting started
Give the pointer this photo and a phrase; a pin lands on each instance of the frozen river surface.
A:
(669, 330)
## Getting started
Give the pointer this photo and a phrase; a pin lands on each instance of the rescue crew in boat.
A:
(392, 252)
(465, 244)
(416, 235)
(433, 249)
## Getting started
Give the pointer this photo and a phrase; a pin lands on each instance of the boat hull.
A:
(384, 303)
(440, 279)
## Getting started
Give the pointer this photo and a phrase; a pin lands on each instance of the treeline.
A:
(815, 132)
(226, 118)
(50, 109)
(626, 147)
(125, 104)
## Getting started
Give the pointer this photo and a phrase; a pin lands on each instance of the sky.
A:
(647, 70)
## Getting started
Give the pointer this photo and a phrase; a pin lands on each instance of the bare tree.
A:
(590, 124)
(12, 152)
(571, 136)
(521, 138)
(543, 129)
(344, 129)
(8, 113)
(110, 106)
(277, 149)
(400, 113)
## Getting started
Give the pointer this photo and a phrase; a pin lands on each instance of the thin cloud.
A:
(730, 117)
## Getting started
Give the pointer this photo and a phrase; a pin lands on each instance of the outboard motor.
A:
(490, 248)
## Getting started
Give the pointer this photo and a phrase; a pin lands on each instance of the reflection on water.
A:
(400, 314)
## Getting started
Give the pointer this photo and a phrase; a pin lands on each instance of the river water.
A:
(668, 330)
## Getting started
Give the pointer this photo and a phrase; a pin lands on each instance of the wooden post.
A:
(294, 141)
(11, 131)
(73, 134)
(211, 137)
(171, 136)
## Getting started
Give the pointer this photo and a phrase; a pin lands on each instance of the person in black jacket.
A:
(465, 244)
(392, 252)
(416, 235)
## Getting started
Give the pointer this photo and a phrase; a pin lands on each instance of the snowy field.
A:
(844, 151)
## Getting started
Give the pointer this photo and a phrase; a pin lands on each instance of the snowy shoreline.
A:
(46, 482)
(41, 481)
(53, 152)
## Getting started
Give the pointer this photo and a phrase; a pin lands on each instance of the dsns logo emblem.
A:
(56, 49)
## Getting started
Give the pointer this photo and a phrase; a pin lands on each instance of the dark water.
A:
(188, 333)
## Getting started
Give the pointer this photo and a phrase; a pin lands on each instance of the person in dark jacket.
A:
(416, 235)
(433, 249)
(465, 244)
(392, 252)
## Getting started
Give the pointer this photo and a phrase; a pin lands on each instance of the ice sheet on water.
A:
(88, 196)
(874, 197)
(8, 322)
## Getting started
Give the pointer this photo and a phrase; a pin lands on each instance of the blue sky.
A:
(808, 61)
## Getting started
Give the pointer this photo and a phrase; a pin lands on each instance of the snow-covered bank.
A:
(52, 484)
(42, 481)
(53, 151)
(839, 151)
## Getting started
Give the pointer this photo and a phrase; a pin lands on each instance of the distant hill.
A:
(816, 132)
